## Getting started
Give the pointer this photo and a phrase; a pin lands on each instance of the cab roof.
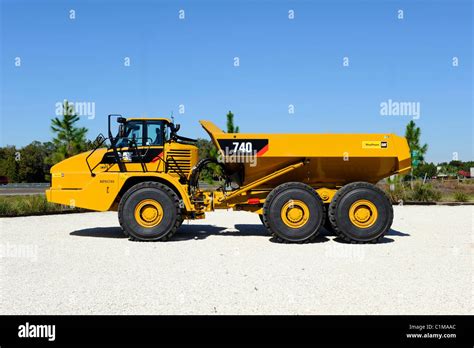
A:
(148, 119)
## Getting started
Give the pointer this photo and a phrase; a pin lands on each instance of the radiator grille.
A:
(179, 161)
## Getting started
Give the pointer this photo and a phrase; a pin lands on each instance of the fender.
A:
(164, 178)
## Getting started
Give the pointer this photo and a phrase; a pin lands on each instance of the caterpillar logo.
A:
(374, 144)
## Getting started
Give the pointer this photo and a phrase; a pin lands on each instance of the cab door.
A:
(152, 150)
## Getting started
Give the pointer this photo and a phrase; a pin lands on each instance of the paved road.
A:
(23, 189)
(39, 188)
(81, 263)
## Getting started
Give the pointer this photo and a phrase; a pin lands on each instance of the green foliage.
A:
(9, 163)
(27, 164)
(31, 164)
(69, 139)
(424, 193)
(460, 165)
(426, 168)
(230, 123)
(213, 171)
(448, 170)
(412, 134)
(460, 196)
(207, 150)
(204, 147)
(30, 205)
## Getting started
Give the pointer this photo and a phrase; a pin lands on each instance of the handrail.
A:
(89, 155)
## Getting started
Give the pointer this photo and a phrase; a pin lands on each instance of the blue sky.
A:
(190, 61)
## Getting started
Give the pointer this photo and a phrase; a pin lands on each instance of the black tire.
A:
(260, 216)
(165, 196)
(339, 213)
(327, 223)
(282, 195)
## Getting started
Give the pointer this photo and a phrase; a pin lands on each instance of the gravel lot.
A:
(226, 264)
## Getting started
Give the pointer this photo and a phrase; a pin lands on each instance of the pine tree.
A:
(230, 123)
(69, 139)
(412, 134)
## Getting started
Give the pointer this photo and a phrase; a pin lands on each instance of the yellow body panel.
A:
(331, 159)
(100, 192)
(72, 182)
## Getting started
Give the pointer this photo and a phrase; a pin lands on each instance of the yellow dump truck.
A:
(297, 183)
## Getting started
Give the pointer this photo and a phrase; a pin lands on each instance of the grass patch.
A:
(460, 196)
(31, 205)
(424, 193)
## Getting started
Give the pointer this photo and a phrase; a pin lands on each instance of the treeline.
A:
(28, 164)
(453, 168)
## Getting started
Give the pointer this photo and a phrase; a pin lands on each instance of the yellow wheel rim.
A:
(148, 213)
(295, 213)
(363, 213)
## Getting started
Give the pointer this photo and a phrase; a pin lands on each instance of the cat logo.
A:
(374, 144)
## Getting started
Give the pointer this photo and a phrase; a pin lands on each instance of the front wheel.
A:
(360, 213)
(149, 211)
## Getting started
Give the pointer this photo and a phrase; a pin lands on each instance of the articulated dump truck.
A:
(297, 183)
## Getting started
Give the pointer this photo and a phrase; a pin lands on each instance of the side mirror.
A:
(121, 120)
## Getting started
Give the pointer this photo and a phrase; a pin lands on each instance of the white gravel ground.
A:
(226, 264)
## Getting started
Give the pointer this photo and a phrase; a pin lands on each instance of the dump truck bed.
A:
(331, 159)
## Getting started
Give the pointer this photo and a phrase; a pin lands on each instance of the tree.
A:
(412, 134)
(426, 168)
(448, 170)
(9, 158)
(206, 149)
(230, 123)
(70, 139)
(31, 164)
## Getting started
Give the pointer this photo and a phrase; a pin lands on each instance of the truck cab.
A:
(140, 148)
(149, 145)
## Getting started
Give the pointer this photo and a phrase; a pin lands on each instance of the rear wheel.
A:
(149, 211)
(360, 213)
(293, 212)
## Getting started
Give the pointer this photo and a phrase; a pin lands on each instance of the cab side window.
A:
(155, 134)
